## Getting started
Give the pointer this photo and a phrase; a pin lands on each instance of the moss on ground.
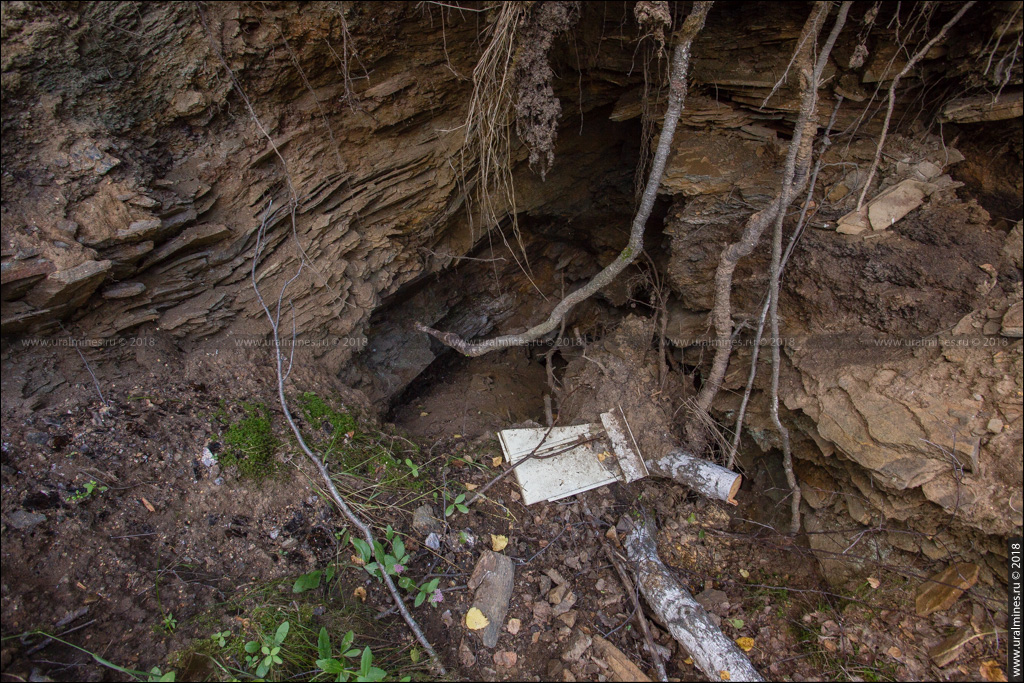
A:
(250, 443)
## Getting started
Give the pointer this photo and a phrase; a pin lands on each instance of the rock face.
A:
(137, 174)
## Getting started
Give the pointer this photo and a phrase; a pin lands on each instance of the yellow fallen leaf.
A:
(457, 436)
(746, 644)
(360, 593)
(496, 462)
(725, 675)
(604, 455)
(744, 573)
(424, 414)
(471, 487)
(688, 661)
(149, 506)
(357, 561)
(873, 582)
(475, 619)
(498, 543)
(991, 671)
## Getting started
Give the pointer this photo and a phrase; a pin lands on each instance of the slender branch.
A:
(677, 95)
(892, 96)
(363, 527)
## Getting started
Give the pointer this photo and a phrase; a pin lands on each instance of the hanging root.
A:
(891, 101)
(795, 177)
(677, 94)
(282, 375)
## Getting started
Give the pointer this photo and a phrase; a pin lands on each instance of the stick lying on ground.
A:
(282, 375)
(677, 94)
(713, 653)
(704, 477)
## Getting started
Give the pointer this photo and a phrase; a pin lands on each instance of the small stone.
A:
(712, 599)
(995, 425)
(38, 438)
(945, 588)
(219, 481)
(208, 459)
(578, 644)
(424, 521)
(433, 541)
(514, 625)
(505, 658)
(1013, 321)
(20, 519)
(466, 656)
(569, 618)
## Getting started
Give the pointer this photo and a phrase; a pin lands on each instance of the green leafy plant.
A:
(327, 663)
(427, 591)
(456, 504)
(413, 468)
(170, 624)
(86, 491)
(220, 638)
(311, 580)
(394, 562)
(265, 655)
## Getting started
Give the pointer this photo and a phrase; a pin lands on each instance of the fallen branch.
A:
(282, 375)
(718, 657)
(677, 94)
(703, 476)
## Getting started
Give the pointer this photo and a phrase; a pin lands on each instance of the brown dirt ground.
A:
(208, 546)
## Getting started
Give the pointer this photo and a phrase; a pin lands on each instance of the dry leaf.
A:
(688, 661)
(514, 625)
(725, 675)
(894, 652)
(873, 582)
(496, 462)
(357, 561)
(424, 414)
(471, 487)
(360, 593)
(744, 573)
(475, 619)
(498, 543)
(149, 506)
(991, 671)
(456, 436)
(746, 644)
(603, 456)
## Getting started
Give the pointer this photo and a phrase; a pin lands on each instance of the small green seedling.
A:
(456, 504)
(221, 638)
(736, 623)
(413, 468)
(329, 664)
(265, 657)
(86, 492)
(170, 623)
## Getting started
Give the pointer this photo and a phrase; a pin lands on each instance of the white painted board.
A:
(565, 474)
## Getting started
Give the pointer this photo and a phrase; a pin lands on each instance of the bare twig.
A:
(275, 321)
(677, 95)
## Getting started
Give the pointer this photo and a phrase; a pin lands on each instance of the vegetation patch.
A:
(250, 443)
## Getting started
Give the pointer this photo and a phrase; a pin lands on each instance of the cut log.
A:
(706, 478)
(713, 653)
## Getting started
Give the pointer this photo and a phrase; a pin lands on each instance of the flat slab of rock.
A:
(424, 521)
(492, 581)
(945, 588)
(69, 287)
(22, 519)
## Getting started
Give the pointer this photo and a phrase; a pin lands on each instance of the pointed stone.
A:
(942, 590)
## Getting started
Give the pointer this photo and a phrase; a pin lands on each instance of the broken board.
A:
(567, 473)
